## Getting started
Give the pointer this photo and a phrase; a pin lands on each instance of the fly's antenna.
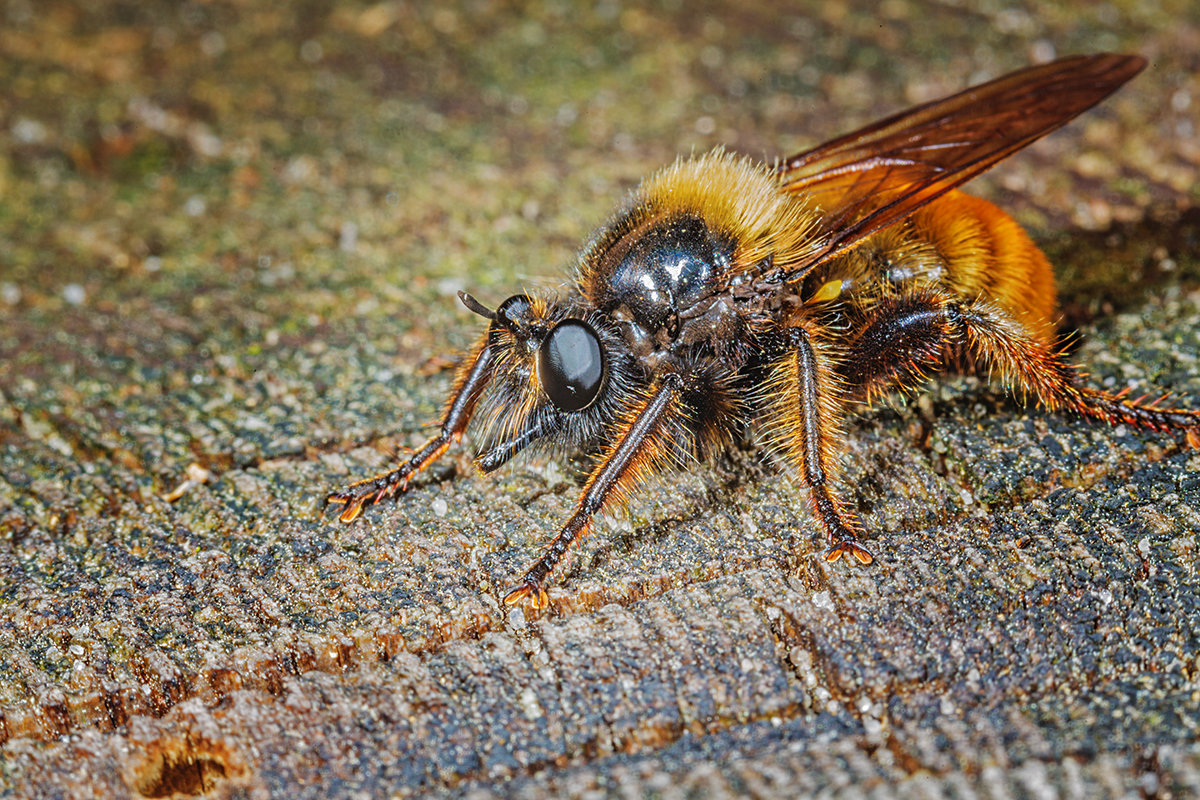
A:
(476, 306)
(499, 316)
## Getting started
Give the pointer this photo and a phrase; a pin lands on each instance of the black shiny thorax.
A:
(663, 280)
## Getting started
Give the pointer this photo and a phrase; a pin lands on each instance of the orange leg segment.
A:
(1034, 368)
(907, 335)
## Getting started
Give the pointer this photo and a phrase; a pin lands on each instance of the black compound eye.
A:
(571, 365)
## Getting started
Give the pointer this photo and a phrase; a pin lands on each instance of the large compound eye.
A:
(571, 365)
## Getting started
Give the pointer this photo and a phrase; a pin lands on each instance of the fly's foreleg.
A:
(468, 385)
(645, 442)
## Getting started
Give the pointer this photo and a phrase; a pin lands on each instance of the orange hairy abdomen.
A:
(988, 255)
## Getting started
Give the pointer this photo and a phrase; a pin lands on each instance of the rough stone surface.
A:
(230, 239)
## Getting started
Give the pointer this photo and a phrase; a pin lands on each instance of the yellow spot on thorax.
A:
(831, 290)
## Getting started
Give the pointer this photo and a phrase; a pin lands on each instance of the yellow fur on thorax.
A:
(738, 197)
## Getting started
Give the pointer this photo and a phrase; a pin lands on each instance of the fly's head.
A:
(561, 374)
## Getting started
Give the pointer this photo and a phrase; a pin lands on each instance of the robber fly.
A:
(729, 295)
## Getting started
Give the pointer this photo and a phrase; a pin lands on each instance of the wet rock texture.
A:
(230, 238)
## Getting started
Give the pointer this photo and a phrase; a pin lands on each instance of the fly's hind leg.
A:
(468, 386)
(905, 336)
(903, 339)
(1028, 364)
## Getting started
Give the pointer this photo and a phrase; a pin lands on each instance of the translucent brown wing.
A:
(866, 180)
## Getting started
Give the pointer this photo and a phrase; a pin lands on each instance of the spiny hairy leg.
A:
(468, 385)
(1034, 368)
(642, 448)
(387, 484)
(907, 335)
(1140, 412)
(806, 399)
